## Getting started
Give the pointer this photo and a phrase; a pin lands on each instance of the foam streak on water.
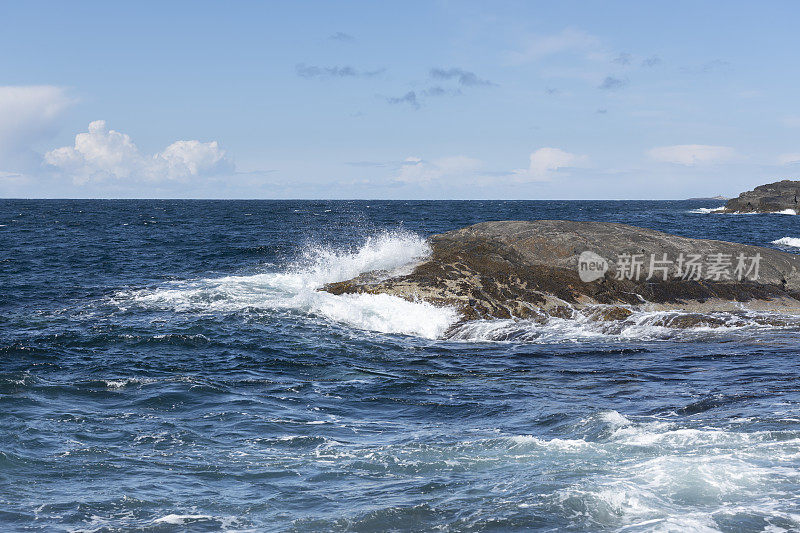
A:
(640, 326)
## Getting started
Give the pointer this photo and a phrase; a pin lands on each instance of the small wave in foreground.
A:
(792, 242)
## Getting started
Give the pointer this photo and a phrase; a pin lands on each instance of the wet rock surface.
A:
(529, 269)
(769, 198)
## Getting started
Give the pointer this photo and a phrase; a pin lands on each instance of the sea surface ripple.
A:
(171, 366)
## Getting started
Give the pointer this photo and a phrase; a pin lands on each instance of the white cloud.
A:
(193, 158)
(545, 162)
(416, 170)
(692, 154)
(104, 154)
(28, 114)
(788, 159)
(792, 121)
(568, 40)
(462, 170)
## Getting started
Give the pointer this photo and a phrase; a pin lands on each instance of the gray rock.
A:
(531, 269)
(769, 198)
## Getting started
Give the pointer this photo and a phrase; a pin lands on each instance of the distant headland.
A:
(778, 197)
(707, 198)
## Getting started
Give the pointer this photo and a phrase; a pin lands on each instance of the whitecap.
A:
(181, 519)
(707, 210)
(614, 418)
(710, 210)
(794, 242)
(296, 288)
(783, 212)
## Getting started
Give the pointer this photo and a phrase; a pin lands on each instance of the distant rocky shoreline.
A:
(720, 198)
(547, 268)
(777, 197)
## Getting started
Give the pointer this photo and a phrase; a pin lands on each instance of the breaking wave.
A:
(792, 242)
(296, 288)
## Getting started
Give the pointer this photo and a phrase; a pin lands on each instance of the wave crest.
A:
(792, 242)
(297, 289)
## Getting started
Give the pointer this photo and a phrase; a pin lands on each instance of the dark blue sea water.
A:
(170, 366)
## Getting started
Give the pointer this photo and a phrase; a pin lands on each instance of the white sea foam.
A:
(639, 474)
(180, 519)
(794, 242)
(224, 523)
(664, 468)
(640, 326)
(710, 210)
(296, 289)
(784, 212)
(707, 210)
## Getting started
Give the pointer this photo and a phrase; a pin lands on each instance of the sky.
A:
(397, 100)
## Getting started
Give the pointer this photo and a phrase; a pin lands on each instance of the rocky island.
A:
(545, 268)
(777, 197)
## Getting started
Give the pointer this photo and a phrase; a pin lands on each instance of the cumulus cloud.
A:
(311, 71)
(416, 170)
(692, 154)
(104, 154)
(28, 115)
(546, 162)
(464, 77)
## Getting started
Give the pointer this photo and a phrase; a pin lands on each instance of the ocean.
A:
(171, 366)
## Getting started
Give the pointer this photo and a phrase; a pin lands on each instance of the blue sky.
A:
(407, 100)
